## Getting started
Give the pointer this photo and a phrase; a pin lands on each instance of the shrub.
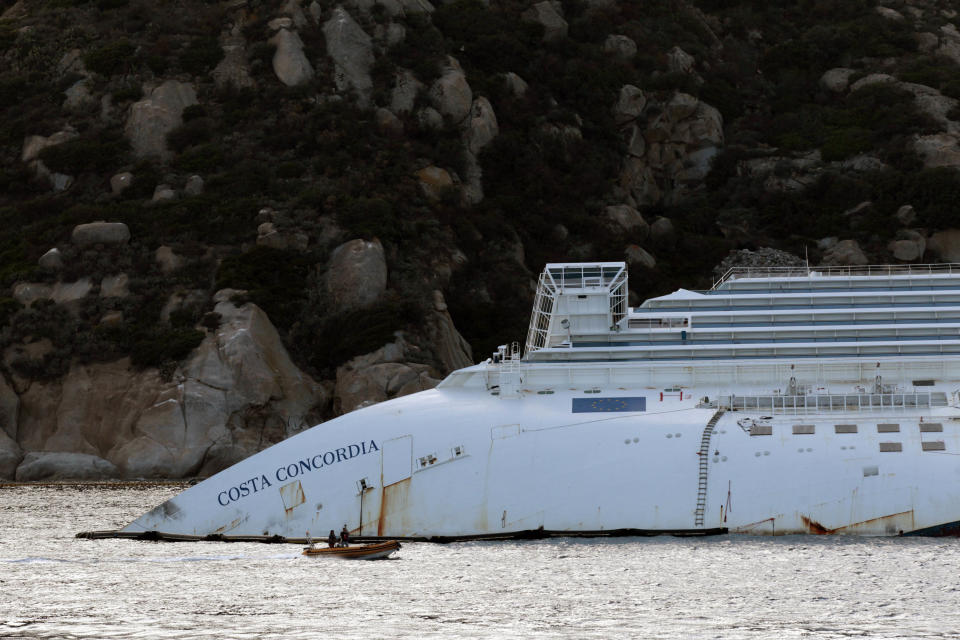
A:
(92, 152)
(204, 158)
(127, 93)
(201, 55)
(157, 345)
(341, 336)
(275, 280)
(190, 133)
(109, 58)
(8, 307)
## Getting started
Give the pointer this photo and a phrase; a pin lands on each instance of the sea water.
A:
(53, 585)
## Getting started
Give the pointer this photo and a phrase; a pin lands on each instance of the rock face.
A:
(236, 394)
(677, 147)
(106, 233)
(384, 374)
(43, 465)
(450, 94)
(352, 52)
(357, 274)
(152, 118)
(289, 62)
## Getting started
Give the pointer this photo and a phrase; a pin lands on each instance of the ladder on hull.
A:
(704, 466)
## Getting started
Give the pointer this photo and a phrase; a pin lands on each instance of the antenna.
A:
(806, 258)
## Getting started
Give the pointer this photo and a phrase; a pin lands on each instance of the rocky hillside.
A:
(225, 222)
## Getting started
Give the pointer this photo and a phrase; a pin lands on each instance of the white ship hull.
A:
(821, 403)
(528, 464)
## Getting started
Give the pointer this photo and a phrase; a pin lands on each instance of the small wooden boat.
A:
(373, 551)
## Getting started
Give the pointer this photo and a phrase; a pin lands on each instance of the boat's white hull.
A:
(462, 462)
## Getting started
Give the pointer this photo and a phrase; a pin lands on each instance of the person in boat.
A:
(332, 539)
(344, 537)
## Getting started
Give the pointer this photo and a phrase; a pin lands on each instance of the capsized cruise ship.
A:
(782, 400)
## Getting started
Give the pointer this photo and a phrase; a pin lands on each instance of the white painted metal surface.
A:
(593, 443)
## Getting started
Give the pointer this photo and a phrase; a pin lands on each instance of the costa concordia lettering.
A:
(779, 401)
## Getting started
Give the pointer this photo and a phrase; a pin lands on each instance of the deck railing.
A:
(818, 403)
(803, 271)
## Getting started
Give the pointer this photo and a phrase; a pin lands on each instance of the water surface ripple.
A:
(55, 586)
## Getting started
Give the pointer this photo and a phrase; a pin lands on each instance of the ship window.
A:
(888, 428)
(934, 445)
(891, 447)
(803, 429)
(845, 428)
(872, 470)
(761, 430)
(923, 383)
(930, 427)
(594, 390)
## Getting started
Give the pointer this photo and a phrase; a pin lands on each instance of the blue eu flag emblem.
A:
(609, 405)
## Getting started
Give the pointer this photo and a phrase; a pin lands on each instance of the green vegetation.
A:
(329, 174)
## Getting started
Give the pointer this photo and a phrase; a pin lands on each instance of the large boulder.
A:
(845, 252)
(938, 150)
(357, 274)
(61, 465)
(289, 62)
(233, 69)
(945, 245)
(450, 93)
(481, 127)
(679, 61)
(352, 52)
(908, 246)
(100, 232)
(630, 104)
(628, 219)
(837, 80)
(546, 14)
(434, 182)
(620, 46)
(152, 118)
(10, 456)
(358, 388)
(9, 409)
(637, 255)
(934, 104)
(405, 90)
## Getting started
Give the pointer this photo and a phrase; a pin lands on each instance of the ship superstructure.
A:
(819, 400)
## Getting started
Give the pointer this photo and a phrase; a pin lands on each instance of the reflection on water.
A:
(53, 585)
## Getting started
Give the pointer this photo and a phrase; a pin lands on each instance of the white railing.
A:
(818, 403)
(803, 271)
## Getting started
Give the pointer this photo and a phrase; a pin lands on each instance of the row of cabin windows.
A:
(807, 429)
